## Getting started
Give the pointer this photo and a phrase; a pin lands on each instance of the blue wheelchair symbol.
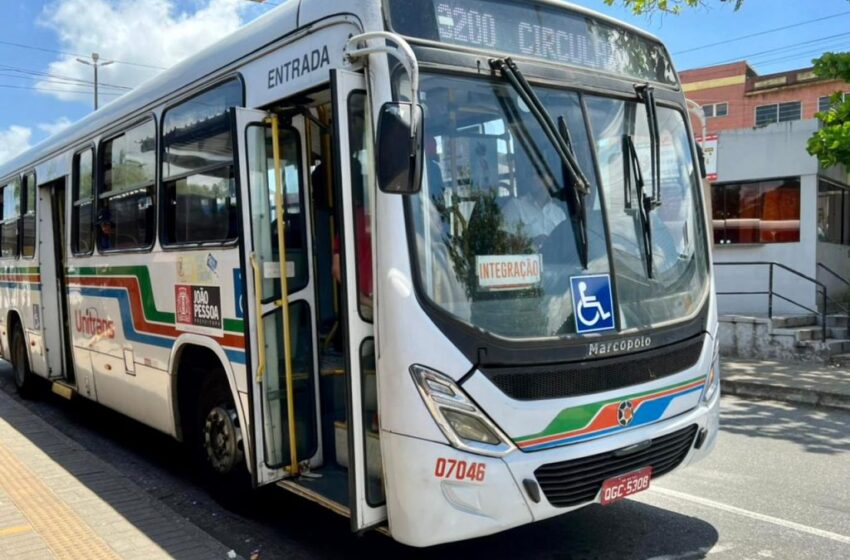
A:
(593, 303)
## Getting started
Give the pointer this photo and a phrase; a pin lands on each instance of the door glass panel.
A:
(362, 179)
(275, 412)
(371, 428)
(263, 209)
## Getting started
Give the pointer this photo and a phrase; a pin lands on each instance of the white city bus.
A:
(496, 301)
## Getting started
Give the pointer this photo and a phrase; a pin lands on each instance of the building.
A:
(771, 201)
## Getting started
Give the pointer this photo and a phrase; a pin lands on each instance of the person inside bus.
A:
(107, 229)
(535, 211)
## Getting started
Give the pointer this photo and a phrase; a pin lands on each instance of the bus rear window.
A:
(536, 31)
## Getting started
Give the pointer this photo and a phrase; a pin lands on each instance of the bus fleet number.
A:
(460, 470)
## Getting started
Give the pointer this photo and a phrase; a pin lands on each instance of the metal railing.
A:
(771, 292)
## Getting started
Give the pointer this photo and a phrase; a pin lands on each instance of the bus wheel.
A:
(24, 378)
(219, 447)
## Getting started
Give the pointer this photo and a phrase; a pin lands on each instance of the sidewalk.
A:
(818, 385)
(58, 500)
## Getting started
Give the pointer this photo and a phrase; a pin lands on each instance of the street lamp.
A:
(95, 64)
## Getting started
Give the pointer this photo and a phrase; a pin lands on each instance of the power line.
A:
(777, 49)
(86, 92)
(66, 53)
(38, 74)
(758, 34)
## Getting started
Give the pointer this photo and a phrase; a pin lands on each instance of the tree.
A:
(639, 7)
(831, 144)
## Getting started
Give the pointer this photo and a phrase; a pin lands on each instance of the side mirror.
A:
(399, 148)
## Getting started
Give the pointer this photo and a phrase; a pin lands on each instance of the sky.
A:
(43, 88)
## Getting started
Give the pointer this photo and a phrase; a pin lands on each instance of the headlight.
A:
(461, 421)
(712, 382)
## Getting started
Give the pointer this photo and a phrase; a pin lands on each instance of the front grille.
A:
(570, 483)
(596, 376)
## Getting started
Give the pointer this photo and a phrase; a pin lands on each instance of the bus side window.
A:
(199, 188)
(11, 212)
(82, 213)
(125, 216)
(28, 219)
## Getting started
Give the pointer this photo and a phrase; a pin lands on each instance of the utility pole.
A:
(95, 64)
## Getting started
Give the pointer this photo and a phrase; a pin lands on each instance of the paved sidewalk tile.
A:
(59, 501)
(814, 384)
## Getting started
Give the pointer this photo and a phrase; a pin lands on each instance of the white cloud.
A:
(58, 125)
(13, 141)
(152, 32)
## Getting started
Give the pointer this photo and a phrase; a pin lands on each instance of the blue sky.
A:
(158, 32)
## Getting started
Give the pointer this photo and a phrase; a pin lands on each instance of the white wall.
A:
(775, 151)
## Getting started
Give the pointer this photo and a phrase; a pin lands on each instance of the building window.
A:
(199, 189)
(126, 206)
(833, 214)
(82, 209)
(757, 212)
(825, 102)
(715, 110)
(778, 112)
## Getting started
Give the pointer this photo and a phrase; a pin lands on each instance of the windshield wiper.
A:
(646, 95)
(577, 179)
(631, 167)
(579, 202)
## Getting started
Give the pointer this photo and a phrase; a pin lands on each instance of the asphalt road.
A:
(777, 486)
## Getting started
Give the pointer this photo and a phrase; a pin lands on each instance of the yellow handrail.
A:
(261, 329)
(280, 215)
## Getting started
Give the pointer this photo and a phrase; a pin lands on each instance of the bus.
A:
(495, 301)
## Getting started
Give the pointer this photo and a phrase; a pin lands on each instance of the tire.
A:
(218, 444)
(24, 379)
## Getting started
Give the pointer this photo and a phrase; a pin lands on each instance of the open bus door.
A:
(355, 190)
(282, 382)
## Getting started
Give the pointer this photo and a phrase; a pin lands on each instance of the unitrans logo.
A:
(90, 324)
(619, 346)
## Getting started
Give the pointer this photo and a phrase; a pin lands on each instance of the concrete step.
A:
(800, 334)
(840, 360)
(841, 320)
(793, 321)
(838, 332)
(838, 346)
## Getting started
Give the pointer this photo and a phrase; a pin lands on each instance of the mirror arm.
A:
(402, 52)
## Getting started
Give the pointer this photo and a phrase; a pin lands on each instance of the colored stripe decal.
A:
(139, 315)
(130, 332)
(598, 419)
(142, 276)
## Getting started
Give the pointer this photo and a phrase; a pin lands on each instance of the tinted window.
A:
(757, 212)
(9, 227)
(28, 220)
(82, 212)
(125, 218)
(199, 188)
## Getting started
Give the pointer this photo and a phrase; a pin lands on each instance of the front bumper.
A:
(441, 496)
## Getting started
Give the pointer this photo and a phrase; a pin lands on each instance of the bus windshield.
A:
(493, 227)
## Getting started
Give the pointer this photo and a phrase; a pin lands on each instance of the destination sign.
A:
(534, 30)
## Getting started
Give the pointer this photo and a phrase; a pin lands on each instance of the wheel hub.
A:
(223, 439)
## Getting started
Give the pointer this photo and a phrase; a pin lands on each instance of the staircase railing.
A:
(771, 292)
(840, 306)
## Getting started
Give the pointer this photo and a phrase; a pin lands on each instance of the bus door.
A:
(51, 257)
(286, 440)
(353, 159)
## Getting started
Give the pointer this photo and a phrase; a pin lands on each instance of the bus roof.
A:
(265, 30)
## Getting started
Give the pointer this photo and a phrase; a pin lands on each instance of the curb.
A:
(817, 399)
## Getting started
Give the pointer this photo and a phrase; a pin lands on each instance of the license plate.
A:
(617, 488)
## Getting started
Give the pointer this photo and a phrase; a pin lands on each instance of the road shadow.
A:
(815, 430)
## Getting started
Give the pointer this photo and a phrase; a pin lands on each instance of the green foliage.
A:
(639, 7)
(831, 144)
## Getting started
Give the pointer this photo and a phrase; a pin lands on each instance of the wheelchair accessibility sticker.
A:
(593, 303)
